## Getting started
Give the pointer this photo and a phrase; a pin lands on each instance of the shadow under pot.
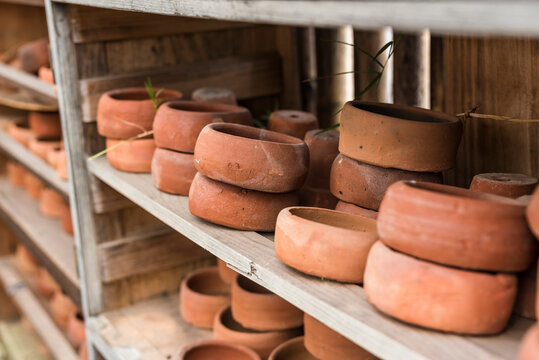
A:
(20, 132)
(323, 148)
(292, 122)
(45, 125)
(348, 208)
(438, 297)
(215, 349)
(293, 349)
(124, 113)
(226, 328)
(131, 156)
(532, 213)
(226, 273)
(401, 137)
(529, 347)
(214, 95)
(325, 243)
(178, 123)
(457, 227)
(504, 184)
(252, 158)
(173, 171)
(237, 208)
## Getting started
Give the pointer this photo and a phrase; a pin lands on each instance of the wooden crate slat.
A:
(29, 82)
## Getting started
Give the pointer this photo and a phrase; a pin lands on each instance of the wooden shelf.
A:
(40, 3)
(342, 307)
(29, 82)
(29, 305)
(43, 236)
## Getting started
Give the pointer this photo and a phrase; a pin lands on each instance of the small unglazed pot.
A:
(532, 213)
(65, 218)
(255, 307)
(46, 286)
(42, 147)
(45, 125)
(504, 184)
(53, 156)
(457, 227)
(316, 197)
(45, 73)
(15, 173)
(529, 347)
(237, 208)
(202, 295)
(61, 165)
(214, 95)
(323, 148)
(292, 122)
(438, 297)
(252, 158)
(62, 308)
(51, 203)
(76, 331)
(293, 349)
(401, 137)
(173, 171)
(20, 132)
(25, 262)
(215, 349)
(343, 206)
(33, 185)
(124, 113)
(131, 156)
(226, 273)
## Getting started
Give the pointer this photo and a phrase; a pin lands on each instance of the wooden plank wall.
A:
(20, 23)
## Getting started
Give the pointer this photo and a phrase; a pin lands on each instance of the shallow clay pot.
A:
(62, 308)
(504, 184)
(215, 349)
(61, 165)
(45, 74)
(225, 273)
(202, 295)
(326, 344)
(33, 185)
(25, 262)
(529, 348)
(526, 296)
(132, 156)
(292, 122)
(252, 158)
(45, 125)
(173, 171)
(263, 342)
(456, 226)
(235, 207)
(395, 136)
(355, 210)
(51, 203)
(65, 218)
(438, 297)
(255, 307)
(324, 243)
(34, 55)
(293, 349)
(323, 148)
(215, 95)
(124, 113)
(365, 185)
(20, 132)
(532, 213)
(46, 286)
(42, 147)
(75, 329)
(15, 173)
(317, 197)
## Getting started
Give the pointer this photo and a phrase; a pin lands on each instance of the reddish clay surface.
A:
(355, 210)
(252, 158)
(173, 171)
(215, 350)
(509, 185)
(325, 243)
(61, 165)
(132, 156)
(34, 54)
(62, 308)
(225, 273)
(75, 329)
(53, 156)
(532, 213)
(526, 295)
(42, 147)
(292, 122)
(214, 95)
(438, 297)
(65, 218)
(15, 174)
(365, 185)
(83, 352)
(529, 348)
(20, 132)
(316, 197)
(293, 349)
(455, 226)
(323, 148)
(33, 185)
(45, 74)
(46, 286)
(45, 125)
(235, 207)
(25, 262)
(51, 203)
(395, 136)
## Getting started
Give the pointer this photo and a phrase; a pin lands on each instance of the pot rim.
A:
(191, 106)
(298, 213)
(213, 342)
(113, 94)
(248, 133)
(212, 270)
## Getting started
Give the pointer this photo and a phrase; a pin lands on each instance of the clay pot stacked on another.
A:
(246, 175)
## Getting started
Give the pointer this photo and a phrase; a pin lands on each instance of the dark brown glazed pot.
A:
(45, 125)
(124, 113)
(293, 349)
(178, 123)
(131, 156)
(504, 184)
(324, 243)
(235, 207)
(15, 173)
(42, 147)
(20, 132)
(252, 158)
(34, 54)
(292, 122)
(226, 273)
(394, 136)
(365, 185)
(316, 197)
(532, 213)
(215, 350)
(529, 348)
(323, 148)
(173, 171)
(457, 227)
(214, 95)
(438, 297)
(355, 210)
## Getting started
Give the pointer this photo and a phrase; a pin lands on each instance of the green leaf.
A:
(383, 48)
(158, 93)
(259, 123)
(364, 52)
(334, 126)
(370, 85)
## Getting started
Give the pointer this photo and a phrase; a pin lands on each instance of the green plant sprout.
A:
(153, 95)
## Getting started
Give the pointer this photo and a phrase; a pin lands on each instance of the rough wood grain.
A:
(25, 23)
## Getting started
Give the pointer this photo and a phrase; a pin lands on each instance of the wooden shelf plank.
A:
(36, 314)
(40, 3)
(342, 307)
(28, 81)
(43, 236)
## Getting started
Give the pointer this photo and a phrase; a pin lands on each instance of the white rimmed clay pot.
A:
(215, 95)
(343, 206)
(323, 148)
(293, 349)
(292, 122)
(325, 243)
(131, 156)
(504, 184)
(173, 171)
(226, 273)
(215, 349)
(529, 348)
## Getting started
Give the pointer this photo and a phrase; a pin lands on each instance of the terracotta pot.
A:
(124, 113)
(255, 307)
(202, 295)
(61, 165)
(323, 148)
(226, 274)
(438, 297)
(83, 351)
(65, 218)
(76, 331)
(51, 203)
(25, 262)
(235, 207)
(42, 147)
(34, 55)
(263, 342)
(45, 125)
(532, 213)
(214, 95)
(173, 171)
(33, 185)
(292, 122)
(62, 308)
(293, 349)
(131, 156)
(355, 210)
(455, 226)
(314, 197)
(46, 286)
(45, 73)
(215, 349)
(504, 184)
(53, 156)
(326, 344)
(526, 296)
(395, 136)
(16, 173)
(20, 132)
(252, 158)
(365, 185)
(529, 348)
(325, 243)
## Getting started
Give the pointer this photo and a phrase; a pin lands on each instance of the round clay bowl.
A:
(226, 274)
(33, 185)
(235, 207)
(292, 122)
(215, 95)
(62, 308)
(20, 132)
(526, 296)
(325, 243)
(15, 173)
(457, 227)
(215, 350)
(394, 136)
(46, 286)
(263, 342)
(42, 147)
(45, 74)
(323, 148)
(365, 185)
(131, 156)
(202, 295)
(45, 125)
(529, 348)
(252, 158)
(293, 349)
(25, 262)
(173, 171)
(75, 329)
(61, 165)
(326, 344)
(124, 113)
(178, 123)
(509, 185)
(355, 210)
(67, 223)
(255, 307)
(53, 156)
(438, 297)
(34, 55)
(51, 203)
(316, 197)
(532, 213)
